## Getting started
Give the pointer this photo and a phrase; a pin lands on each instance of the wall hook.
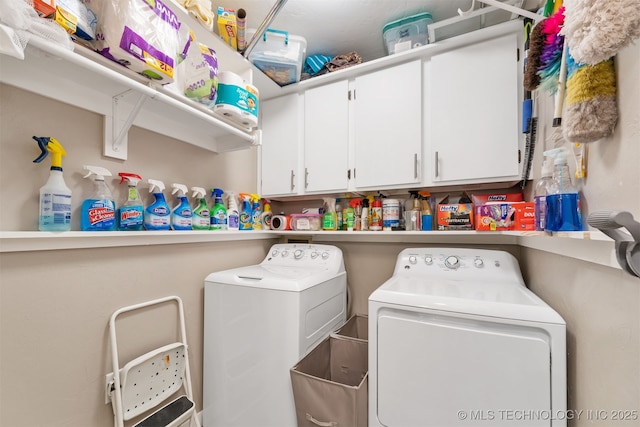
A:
(627, 245)
(466, 12)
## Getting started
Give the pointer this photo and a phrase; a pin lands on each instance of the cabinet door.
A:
(474, 113)
(387, 122)
(281, 132)
(326, 137)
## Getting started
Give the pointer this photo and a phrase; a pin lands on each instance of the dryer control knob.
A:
(325, 255)
(478, 262)
(413, 259)
(452, 262)
(314, 255)
(274, 252)
(428, 260)
(298, 253)
(285, 254)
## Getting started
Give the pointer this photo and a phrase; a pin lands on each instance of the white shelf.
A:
(89, 81)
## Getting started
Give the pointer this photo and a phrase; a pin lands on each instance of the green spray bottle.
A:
(55, 196)
(219, 211)
(201, 219)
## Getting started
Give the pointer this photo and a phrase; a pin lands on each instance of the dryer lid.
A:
(501, 300)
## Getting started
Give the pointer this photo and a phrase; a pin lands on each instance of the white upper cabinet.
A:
(279, 153)
(326, 138)
(388, 127)
(473, 96)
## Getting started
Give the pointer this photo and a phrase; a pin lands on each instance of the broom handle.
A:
(562, 80)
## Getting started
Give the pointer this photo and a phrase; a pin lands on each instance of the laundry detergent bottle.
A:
(219, 211)
(55, 196)
(265, 218)
(233, 215)
(181, 215)
(245, 211)
(131, 214)
(157, 216)
(201, 219)
(256, 212)
(563, 202)
(98, 211)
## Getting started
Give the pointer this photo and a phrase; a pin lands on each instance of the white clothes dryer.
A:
(259, 321)
(456, 339)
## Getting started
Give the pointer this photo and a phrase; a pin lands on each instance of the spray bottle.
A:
(376, 215)
(181, 215)
(98, 209)
(200, 219)
(563, 203)
(340, 215)
(330, 218)
(426, 213)
(157, 216)
(540, 193)
(356, 205)
(55, 196)
(245, 211)
(219, 211)
(233, 215)
(266, 215)
(131, 213)
(413, 215)
(364, 218)
(256, 212)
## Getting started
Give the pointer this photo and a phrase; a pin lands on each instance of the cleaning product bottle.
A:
(426, 213)
(356, 205)
(376, 215)
(219, 211)
(349, 217)
(245, 211)
(364, 218)
(540, 193)
(200, 219)
(266, 214)
(157, 216)
(55, 196)
(339, 215)
(131, 213)
(233, 216)
(98, 208)
(256, 212)
(181, 215)
(413, 215)
(562, 201)
(329, 219)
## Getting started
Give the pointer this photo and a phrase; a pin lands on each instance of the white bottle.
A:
(540, 194)
(233, 215)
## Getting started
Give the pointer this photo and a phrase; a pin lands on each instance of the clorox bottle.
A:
(181, 216)
(157, 215)
(98, 209)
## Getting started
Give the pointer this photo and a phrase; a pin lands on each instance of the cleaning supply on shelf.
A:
(218, 211)
(349, 217)
(390, 214)
(55, 196)
(131, 213)
(181, 215)
(329, 219)
(364, 217)
(376, 215)
(413, 215)
(426, 213)
(98, 211)
(233, 215)
(356, 206)
(562, 201)
(245, 211)
(540, 192)
(265, 218)
(200, 219)
(157, 216)
(256, 212)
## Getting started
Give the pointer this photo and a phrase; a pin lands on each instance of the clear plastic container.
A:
(306, 222)
(407, 33)
(279, 55)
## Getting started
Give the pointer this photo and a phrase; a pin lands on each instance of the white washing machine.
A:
(456, 339)
(259, 321)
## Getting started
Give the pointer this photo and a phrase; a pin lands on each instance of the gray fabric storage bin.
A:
(330, 384)
(357, 327)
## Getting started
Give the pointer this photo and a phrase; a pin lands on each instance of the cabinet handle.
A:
(437, 163)
(415, 165)
(306, 178)
(293, 176)
(348, 174)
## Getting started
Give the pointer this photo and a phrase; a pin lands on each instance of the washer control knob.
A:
(285, 254)
(325, 255)
(452, 262)
(274, 253)
(298, 253)
(413, 259)
(428, 260)
(314, 255)
(478, 262)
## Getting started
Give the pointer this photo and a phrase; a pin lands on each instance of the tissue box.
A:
(455, 213)
(140, 35)
(279, 55)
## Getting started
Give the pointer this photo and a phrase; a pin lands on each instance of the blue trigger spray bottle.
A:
(98, 209)
(55, 196)
(562, 201)
(181, 216)
(131, 213)
(157, 215)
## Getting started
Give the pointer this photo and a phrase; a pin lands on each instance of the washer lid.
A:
(277, 277)
(501, 300)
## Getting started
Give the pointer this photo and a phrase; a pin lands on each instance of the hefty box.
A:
(525, 219)
(455, 213)
(503, 212)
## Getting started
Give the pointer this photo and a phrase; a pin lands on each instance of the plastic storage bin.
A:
(407, 33)
(306, 222)
(330, 384)
(356, 328)
(279, 55)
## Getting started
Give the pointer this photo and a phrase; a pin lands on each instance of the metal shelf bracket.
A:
(117, 125)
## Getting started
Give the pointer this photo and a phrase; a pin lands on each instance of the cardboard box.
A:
(453, 215)
(486, 198)
(505, 216)
(228, 26)
(525, 217)
(45, 8)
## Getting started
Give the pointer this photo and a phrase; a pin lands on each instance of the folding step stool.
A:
(146, 383)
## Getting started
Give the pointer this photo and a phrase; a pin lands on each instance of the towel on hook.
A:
(596, 30)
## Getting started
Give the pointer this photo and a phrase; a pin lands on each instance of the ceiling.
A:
(334, 27)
